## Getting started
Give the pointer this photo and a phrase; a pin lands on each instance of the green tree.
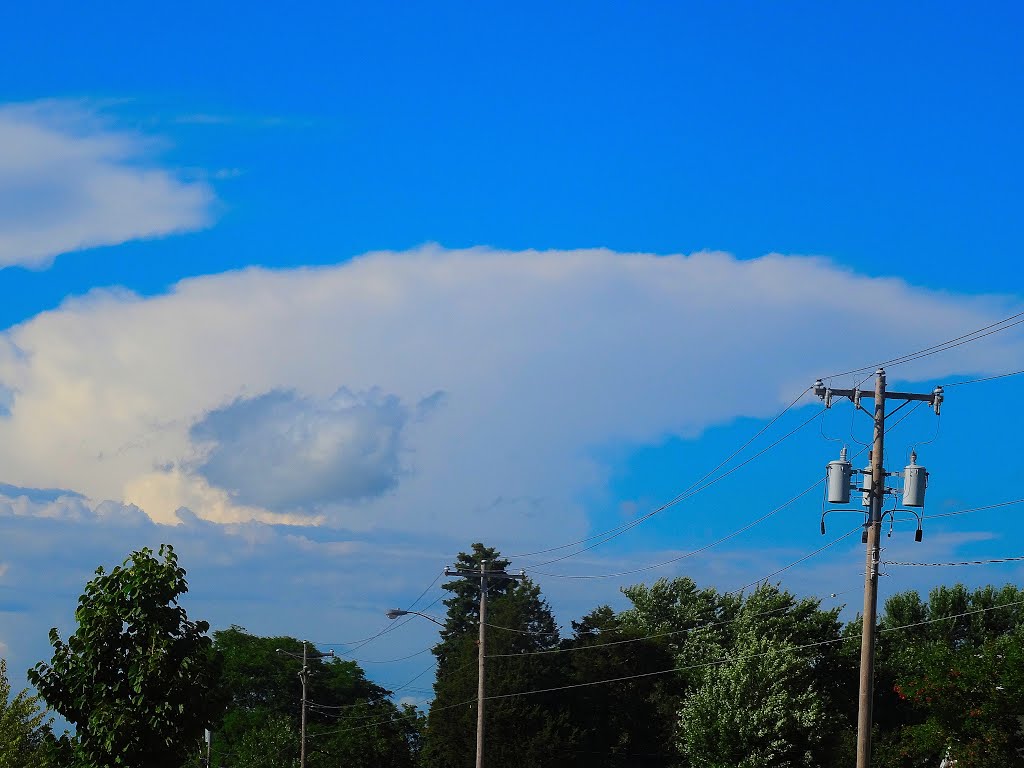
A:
(738, 660)
(136, 677)
(272, 743)
(521, 730)
(23, 726)
(954, 684)
(759, 709)
(350, 719)
(628, 723)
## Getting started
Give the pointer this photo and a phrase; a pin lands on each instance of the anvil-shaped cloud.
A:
(299, 394)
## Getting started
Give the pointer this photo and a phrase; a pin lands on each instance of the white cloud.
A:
(69, 181)
(541, 356)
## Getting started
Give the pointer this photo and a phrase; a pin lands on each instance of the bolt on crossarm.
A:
(874, 497)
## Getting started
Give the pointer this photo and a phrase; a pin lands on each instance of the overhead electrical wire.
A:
(608, 535)
(691, 553)
(966, 338)
(685, 668)
(974, 509)
(729, 536)
(808, 556)
(990, 561)
(701, 485)
(593, 646)
(625, 526)
(681, 497)
(986, 378)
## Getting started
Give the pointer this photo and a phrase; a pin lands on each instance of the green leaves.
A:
(23, 726)
(136, 677)
(955, 685)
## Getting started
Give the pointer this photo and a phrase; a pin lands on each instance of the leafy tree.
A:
(773, 649)
(272, 743)
(136, 677)
(23, 726)
(521, 730)
(350, 719)
(628, 723)
(955, 684)
(761, 708)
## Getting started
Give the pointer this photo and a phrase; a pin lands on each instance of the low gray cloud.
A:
(284, 451)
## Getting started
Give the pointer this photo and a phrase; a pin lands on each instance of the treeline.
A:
(685, 677)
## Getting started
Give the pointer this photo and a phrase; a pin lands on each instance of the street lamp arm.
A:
(394, 613)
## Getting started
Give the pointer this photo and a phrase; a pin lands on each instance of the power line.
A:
(797, 562)
(639, 639)
(388, 628)
(974, 509)
(612, 533)
(963, 562)
(683, 496)
(626, 526)
(689, 667)
(986, 378)
(732, 535)
(941, 346)
(691, 553)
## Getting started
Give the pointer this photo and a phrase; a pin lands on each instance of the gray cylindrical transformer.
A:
(915, 480)
(839, 473)
(865, 498)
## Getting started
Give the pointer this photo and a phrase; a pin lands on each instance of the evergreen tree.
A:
(527, 731)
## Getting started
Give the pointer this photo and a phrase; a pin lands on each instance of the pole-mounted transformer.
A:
(915, 481)
(840, 474)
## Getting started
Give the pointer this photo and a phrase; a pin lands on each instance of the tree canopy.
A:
(682, 676)
(137, 677)
(24, 727)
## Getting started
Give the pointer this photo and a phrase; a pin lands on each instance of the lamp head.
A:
(394, 613)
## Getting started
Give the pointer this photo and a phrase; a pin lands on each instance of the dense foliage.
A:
(136, 676)
(683, 677)
(23, 727)
(260, 725)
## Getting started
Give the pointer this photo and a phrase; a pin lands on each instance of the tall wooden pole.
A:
(867, 643)
(481, 667)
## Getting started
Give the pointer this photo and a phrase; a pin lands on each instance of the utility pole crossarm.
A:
(933, 398)
(456, 571)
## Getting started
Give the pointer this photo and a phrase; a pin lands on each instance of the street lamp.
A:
(481, 645)
(394, 613)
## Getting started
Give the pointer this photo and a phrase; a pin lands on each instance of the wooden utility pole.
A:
(304, 677)
(875, 496)
(481, 691)
(874, 528)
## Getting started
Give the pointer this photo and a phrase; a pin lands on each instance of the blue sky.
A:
(542, 299)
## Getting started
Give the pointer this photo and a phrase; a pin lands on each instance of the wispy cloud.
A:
(70, 180)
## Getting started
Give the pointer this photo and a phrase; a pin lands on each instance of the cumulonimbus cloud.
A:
(541, 356)
(70, 181)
